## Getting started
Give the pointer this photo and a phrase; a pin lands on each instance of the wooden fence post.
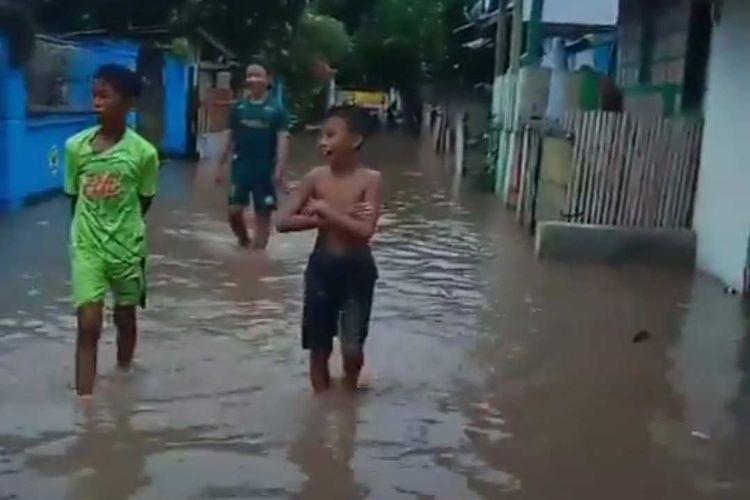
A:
(460, 147)
(628, 171)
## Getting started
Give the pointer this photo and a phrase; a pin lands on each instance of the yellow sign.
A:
(363, 98)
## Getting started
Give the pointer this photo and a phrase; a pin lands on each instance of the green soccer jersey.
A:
(108, 222)
(255, 127)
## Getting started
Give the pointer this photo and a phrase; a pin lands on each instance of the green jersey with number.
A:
(108, 222)
(255, 127)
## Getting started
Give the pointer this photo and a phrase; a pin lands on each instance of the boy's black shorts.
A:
(338, 299)
(263, 194)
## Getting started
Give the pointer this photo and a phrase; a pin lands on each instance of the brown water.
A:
(490, 375)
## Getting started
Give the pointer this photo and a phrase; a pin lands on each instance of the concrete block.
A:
(564, 241)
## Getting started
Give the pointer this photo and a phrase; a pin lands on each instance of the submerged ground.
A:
(490, 374)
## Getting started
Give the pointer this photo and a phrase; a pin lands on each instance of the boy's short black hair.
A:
(124, 80)
(353, 116)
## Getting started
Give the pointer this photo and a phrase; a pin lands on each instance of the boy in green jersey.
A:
(111, 175)
(259, 144)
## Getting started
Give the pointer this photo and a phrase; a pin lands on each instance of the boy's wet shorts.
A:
(92, 277)
(338, 299)
(262, 191)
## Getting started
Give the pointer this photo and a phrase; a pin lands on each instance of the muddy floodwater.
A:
(489, 375)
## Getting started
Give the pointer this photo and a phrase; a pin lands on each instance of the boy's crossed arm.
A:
(291, 217)
(301, 214)
(362, 220)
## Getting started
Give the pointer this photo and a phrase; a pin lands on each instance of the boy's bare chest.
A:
(341, 193)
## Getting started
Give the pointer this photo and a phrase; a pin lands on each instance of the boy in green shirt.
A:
(259, 141)
(111, 175)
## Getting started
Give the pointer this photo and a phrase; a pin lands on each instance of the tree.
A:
(401, 42)
(350, 12)
(320, 36)
(315, 38)
(116, 16)
(247, 27)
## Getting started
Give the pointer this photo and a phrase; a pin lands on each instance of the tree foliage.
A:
(316, 37)
(248, 27)
(116, 16)
(350, 12)
(398, 42)
(375, 43)
(381, 42)
(320, 36)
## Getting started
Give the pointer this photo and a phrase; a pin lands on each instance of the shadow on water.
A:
(490, 374)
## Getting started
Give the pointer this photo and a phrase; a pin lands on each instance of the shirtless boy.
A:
(342, 201)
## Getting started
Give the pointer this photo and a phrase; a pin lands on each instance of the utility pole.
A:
(534, 38)
(501, 38)
(516, 37)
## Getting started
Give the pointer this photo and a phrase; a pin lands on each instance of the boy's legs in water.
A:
(127, 335)
(89, 283)
(318, 325)
(87, 345)
(355, 322)
(264, 203)
(238, 225)
(353, 359)
(262, 229)
(239, 199)
(91, 278)
(336, 303)
(90, 319)
(129, 288)
(320, 374)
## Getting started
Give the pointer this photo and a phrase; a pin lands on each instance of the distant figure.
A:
(259, 144)
(342, 201)
(391, 114)
(111, 176)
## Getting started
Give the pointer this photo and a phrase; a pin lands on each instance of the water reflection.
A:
(324, 448)
(107, 458)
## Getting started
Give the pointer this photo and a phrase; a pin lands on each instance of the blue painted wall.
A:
(176, 85)
(32, 145)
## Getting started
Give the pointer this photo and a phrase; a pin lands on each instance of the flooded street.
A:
(489, 374)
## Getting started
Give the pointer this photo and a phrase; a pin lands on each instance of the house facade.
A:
(722, 208)
(663, 52)
(692, 57)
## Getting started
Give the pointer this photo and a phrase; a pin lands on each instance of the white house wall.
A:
(722, 212)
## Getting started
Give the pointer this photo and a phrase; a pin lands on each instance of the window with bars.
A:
(49, 76)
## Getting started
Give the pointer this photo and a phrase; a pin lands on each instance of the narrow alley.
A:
(490, 374)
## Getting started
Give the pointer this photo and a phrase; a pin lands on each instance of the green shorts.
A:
(92, 277)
